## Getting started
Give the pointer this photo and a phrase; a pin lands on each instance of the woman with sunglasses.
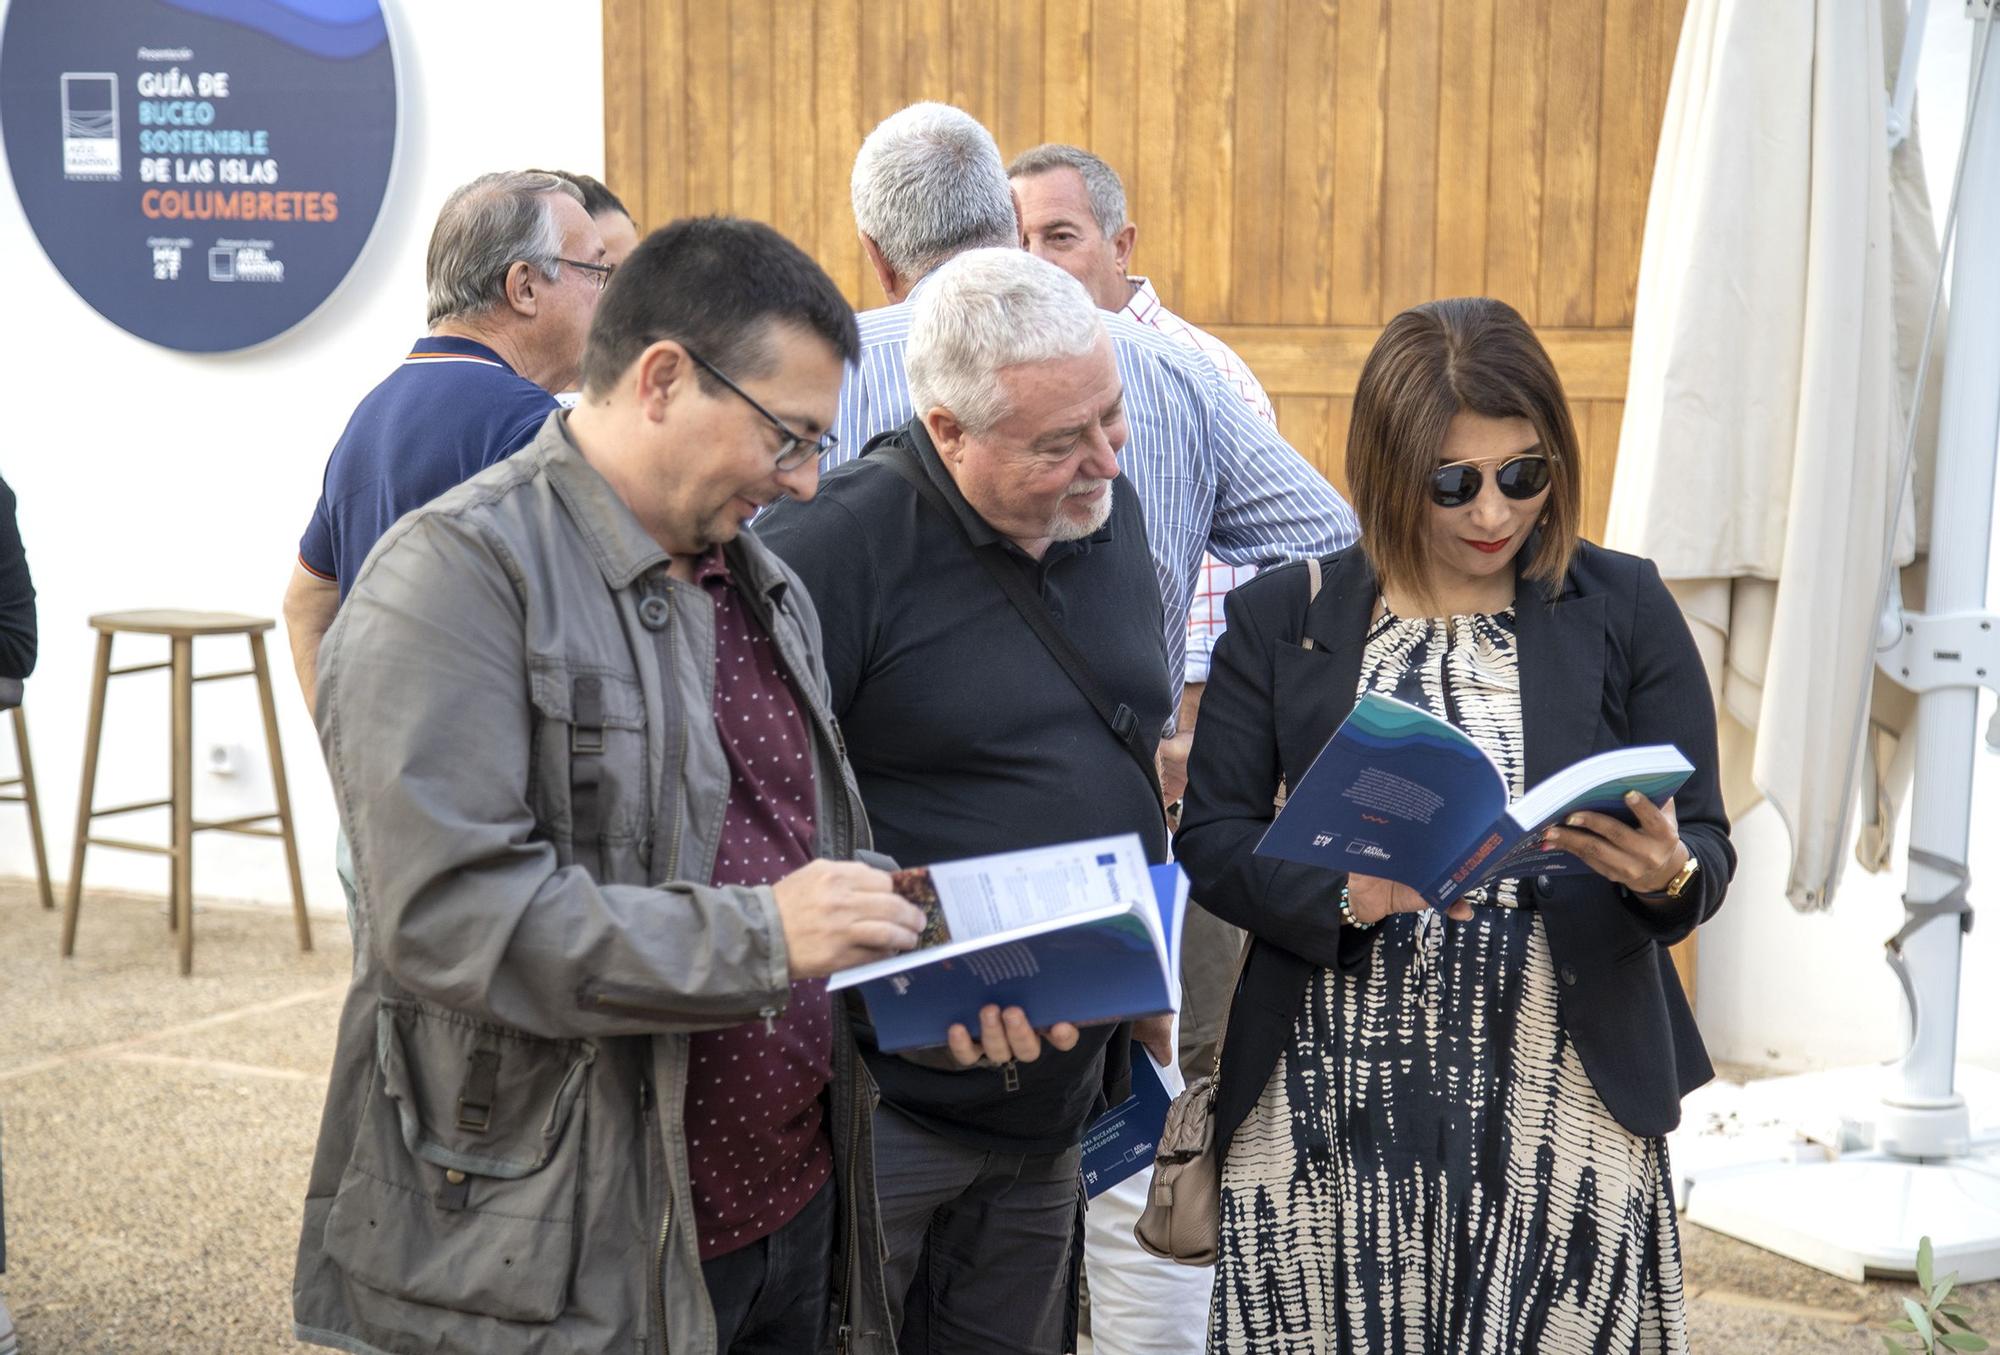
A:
(1444, 1130)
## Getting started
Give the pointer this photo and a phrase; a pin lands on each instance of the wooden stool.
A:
(181, 628)
(20, 790)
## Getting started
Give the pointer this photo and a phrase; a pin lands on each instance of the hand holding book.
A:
(1645, 859)
(1006, 1036)
(1371, 898)
(836, 914)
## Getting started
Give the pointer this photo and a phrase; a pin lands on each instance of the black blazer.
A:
(1605, 662)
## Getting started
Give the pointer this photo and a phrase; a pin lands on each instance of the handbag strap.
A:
(1312, 596)
(1118, 716)
(1314, 579)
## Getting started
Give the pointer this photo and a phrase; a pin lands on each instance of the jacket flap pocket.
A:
(551, 684)
(515, 1268)
(475, 1097)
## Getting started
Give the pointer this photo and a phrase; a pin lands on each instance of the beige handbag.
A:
(1182, 1220)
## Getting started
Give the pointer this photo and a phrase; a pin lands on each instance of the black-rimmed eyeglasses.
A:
(796, 448)
(599, 274)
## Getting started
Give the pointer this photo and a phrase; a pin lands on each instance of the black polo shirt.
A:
(967, 736)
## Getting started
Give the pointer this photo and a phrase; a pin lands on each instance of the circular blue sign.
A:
(202, 172)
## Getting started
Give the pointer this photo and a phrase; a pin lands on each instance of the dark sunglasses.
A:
(1521, 477)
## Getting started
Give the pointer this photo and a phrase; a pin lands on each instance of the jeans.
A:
(982, 1245)
(772, 1297)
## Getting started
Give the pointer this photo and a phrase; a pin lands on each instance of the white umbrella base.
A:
(1862, 1215)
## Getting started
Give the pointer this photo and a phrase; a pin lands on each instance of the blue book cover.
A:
(1084, 932)
(1401, 794)
(1119, 1144)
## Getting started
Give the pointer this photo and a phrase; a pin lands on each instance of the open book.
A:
(1081, 932)
(1401, 794)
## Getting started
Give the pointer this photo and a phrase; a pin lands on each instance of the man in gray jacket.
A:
(588, 1094)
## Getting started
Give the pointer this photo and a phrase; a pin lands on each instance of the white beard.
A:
(1064, 527)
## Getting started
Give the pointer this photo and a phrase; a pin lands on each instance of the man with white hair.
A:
(1211, 476)
(950, 563)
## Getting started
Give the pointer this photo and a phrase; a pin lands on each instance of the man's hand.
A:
(1174, 752)
(1173, 762)
(1156, 1033)
(837, 914)
(1005, 1036)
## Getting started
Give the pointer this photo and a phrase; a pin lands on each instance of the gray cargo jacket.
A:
(502, 1166)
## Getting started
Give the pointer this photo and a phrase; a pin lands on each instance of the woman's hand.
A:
(1644, 859)
(1371, 898)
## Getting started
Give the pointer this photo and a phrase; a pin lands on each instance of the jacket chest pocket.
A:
(588, 783)
(462, 1189)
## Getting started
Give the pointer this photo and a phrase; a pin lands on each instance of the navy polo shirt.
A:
(451, 409)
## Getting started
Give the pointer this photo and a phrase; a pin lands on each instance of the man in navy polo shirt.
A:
(515, 267)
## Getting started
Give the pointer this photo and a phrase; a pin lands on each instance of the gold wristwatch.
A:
(1678, 885)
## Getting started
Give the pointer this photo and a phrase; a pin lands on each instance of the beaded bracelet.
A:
(1347, 912)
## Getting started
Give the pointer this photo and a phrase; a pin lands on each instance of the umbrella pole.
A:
(1864, 1212)
(1947, 655)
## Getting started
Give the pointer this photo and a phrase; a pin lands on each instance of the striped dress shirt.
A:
(1205, 615)
(1211, 475)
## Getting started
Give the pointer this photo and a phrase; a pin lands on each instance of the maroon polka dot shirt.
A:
(758, 1151)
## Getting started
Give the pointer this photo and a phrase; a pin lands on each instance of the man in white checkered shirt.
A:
(1072, 208)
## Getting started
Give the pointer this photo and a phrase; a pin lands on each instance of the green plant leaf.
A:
(1924, 1264)
(1903, 1324)
(1962, 1340)
(1922, 1319)
(1896, 1346)
(1956, 1310)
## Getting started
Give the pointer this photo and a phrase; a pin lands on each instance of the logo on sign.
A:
(90, 125)
(232, 261)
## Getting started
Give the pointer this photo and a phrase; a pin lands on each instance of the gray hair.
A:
(928, 183)
(985, 311)
(1101, 181)
(485, 227)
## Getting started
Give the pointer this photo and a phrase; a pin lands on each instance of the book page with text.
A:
(985, 895)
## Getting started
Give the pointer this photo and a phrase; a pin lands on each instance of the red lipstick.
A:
(1488, 547)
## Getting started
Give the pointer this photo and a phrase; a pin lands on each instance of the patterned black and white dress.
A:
(1429, 1170)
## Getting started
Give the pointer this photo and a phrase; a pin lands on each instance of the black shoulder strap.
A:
(586, 768)
(1124, 724)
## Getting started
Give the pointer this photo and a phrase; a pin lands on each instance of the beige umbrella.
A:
(1783, 290)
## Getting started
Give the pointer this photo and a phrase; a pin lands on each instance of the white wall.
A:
(155, 479)
(1800, 992)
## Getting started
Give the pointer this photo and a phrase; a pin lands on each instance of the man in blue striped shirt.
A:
(929, 184)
